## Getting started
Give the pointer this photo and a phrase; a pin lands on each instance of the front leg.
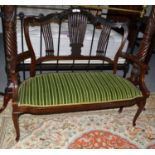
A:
(141, 106)
(15, 118)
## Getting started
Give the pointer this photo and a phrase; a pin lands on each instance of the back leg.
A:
(120, 109)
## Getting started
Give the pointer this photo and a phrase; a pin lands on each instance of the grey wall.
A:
(3, 76)
(0, 25)
(148, 10)
(37, 9)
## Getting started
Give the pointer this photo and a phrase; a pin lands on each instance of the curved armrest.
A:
(14, 79)
(133, 59)
(23, 56)
(142, 71)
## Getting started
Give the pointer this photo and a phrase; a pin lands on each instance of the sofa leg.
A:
(120, 109)
(140, 109)
(15, 117)
(6, 100)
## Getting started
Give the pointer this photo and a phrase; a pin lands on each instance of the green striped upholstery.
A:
(56, 89)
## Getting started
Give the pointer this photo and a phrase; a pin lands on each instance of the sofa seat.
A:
(72, 88)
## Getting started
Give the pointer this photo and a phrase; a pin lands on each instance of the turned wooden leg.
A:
(120, 109)
(15, 117)
(140, 109)
(6, 100)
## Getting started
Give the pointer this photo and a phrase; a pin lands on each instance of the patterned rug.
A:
(93, 129)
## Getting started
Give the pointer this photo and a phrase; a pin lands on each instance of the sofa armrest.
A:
(23, 56)
(138, 72)
(133, 59)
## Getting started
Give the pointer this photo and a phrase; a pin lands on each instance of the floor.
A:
(87, 130)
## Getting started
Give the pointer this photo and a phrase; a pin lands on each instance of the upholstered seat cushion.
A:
(57, 89)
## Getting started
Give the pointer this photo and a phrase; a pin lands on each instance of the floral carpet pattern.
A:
(93, 129)
(100, 139)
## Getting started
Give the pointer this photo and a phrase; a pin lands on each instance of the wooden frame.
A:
(24, 67)
(137, 75)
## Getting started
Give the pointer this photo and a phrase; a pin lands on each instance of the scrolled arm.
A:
(26, 55)
(133, 59)
(23, 56)
(138, 72)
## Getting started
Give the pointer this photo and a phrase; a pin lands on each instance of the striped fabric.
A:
(56, 89)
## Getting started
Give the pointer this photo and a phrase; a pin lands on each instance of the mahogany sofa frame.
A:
(137, 74)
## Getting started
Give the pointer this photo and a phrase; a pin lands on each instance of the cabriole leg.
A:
(140, 109)
(15, 117)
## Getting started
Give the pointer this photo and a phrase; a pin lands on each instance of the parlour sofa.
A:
(68, 91)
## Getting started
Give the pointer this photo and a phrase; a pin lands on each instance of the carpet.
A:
(93, 129)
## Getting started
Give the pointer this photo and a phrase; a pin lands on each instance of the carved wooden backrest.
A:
(76, 28)
(78, 21)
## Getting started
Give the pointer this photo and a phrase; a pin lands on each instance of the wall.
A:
(0, 25)
(148, 10)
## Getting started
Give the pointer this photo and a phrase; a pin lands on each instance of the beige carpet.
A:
(73, 130)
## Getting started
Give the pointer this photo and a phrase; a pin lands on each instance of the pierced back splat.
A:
(77, 27)
(47, 34)
(103, 40)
